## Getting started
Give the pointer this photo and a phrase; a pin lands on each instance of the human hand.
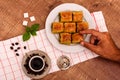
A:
(105, 46)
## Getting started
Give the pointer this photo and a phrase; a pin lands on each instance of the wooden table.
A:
(11, 17)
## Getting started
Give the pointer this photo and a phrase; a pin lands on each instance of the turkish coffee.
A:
(36, 63)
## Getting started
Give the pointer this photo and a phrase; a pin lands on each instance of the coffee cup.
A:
(36, 63)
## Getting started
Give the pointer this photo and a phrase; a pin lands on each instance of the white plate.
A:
(53, 16)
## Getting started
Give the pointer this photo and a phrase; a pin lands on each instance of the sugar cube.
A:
(32, 18)
(25, 15)
(25, 23)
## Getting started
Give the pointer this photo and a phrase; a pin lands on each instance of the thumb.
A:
(89, 46)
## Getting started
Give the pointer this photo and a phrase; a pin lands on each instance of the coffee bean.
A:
(17, 54)
(28, 72)
(24, 47)
(15, 50)
(11, 48)
(18, 48)
(13, 44)
(16, 43)
(46, 65)
(43, 56)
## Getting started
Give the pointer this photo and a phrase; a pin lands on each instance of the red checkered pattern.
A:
(10, 64)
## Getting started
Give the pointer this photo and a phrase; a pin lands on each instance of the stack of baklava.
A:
(69, 25)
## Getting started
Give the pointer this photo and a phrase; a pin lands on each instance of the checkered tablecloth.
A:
(10, 64)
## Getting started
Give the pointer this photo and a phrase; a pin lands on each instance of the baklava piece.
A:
(57, 27)
(66, 16)
(77, 38)
(65, 38)
(82, 26)
(70, 27)
(77, 16)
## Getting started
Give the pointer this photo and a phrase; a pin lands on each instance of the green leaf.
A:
(28, 29)
(26, 36)
(33, 33)
(35, 27)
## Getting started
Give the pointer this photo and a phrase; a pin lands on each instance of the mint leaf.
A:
(35, 27)
(26, 36)
(33, 33)
(28, 29)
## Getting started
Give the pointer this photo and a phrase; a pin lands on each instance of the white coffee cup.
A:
(36, 63)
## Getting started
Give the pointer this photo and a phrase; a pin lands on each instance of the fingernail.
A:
(80, 31)
(82, 43)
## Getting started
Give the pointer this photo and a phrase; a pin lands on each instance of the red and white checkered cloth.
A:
(10, 64)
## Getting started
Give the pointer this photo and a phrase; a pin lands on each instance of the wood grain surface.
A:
(11, 18)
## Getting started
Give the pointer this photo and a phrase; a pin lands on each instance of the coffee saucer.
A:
(30, 73)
